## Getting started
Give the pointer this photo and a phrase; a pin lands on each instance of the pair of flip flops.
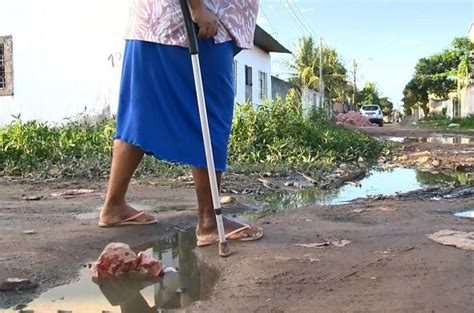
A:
(231, 236)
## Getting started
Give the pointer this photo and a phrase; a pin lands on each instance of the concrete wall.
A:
(311, 99)
(467, 101)
(280, 87)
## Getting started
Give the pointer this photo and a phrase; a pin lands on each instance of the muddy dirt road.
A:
(370, 255)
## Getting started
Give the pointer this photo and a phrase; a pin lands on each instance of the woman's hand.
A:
(208, 23)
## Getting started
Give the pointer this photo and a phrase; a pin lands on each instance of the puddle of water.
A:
(435, 139)
(385, 183)
(174, 291)
(467, 214)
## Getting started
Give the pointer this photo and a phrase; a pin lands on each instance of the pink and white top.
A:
(161, 21)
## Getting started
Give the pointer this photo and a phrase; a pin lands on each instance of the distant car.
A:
(373, 112)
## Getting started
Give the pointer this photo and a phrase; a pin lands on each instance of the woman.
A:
(158, 111)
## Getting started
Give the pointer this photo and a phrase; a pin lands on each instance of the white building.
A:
(253, 69)
(467, 94)
(59, 59)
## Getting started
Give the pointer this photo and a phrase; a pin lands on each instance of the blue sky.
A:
(385, 37)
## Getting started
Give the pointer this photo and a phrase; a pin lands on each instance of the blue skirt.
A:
(158, 109)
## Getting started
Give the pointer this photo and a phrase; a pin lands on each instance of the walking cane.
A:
(193, 49)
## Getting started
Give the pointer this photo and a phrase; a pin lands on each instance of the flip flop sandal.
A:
(129, 221)
(203, 243)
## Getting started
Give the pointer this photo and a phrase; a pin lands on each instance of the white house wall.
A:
(61, 53)
(467, 101)
(259, 60)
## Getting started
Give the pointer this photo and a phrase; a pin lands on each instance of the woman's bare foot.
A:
(115, 214)
(207, 233)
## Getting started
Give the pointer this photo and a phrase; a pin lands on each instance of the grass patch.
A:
(275, 136)
(443, 122)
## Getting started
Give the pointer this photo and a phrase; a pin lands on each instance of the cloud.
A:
(308, 10)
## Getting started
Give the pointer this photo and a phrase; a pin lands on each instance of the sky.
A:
(385, 37)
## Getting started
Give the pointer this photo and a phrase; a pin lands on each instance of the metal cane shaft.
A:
(207, 145)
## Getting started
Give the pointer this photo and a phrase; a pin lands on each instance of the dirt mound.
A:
(352, 118)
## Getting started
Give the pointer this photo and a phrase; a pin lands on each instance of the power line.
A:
(303, 19)
(294, 17)
(268, 19)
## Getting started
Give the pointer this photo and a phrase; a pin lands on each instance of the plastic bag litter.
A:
(119, 260)
(458, 239)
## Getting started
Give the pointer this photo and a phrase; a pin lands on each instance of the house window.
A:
(262, 77)
(248, 84)
(6, 66)
(235, 78)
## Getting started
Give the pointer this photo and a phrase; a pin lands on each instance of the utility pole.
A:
(321, 81)
(354, 67)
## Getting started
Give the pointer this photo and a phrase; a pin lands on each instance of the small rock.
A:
(16, 284)
(32, 198)
(29, 232)
(436, 163)
(361, 160)
(340, 243)
(343, 166)
(227, 199)
(289, 184)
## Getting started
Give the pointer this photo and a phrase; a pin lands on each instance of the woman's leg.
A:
(125, 160)
(207, 225)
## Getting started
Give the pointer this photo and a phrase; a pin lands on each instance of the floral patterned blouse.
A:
(161, 21)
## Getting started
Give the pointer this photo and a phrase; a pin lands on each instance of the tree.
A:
(370, 94)
(306, 68)
(386, 105)
(415, 95)
(438, 75)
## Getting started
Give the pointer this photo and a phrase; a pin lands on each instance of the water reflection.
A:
(192, 282)
(436, 139)
(385, 183)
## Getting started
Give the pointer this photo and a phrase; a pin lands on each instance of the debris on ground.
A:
(459, 239)
(336, 243)
(17, 284)
(308, 178)
(292, 184)
(352, 177)
(118, 260)
(32, 198)
(227, 199)
(265, 182)
(29, 232)
(352, 118)
(72, 193)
